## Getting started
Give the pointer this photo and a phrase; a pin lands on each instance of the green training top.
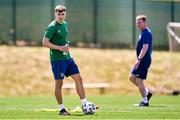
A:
(57, 34)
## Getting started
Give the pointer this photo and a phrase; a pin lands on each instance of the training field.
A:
(26, 71)
(111, 107)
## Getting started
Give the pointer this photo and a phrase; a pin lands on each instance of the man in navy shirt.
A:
(143, 62)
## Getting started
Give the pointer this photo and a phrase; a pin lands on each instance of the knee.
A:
(132, 78)
(58, 86)
(78, 78)
(139, 82)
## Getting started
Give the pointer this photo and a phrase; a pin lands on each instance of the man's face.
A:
(60, 15)
(140, 24)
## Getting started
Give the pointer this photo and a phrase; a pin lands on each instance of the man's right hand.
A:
(63, 48)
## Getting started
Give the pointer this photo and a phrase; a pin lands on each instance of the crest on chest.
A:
(59, 31)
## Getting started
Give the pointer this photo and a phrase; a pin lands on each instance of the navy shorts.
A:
(63, 68)
(141, 72)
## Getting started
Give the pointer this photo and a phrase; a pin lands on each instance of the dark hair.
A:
(60, 8)
(60, 11)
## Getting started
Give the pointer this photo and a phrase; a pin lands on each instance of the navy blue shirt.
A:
(145, 38)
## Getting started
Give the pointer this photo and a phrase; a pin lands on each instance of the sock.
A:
(83, 101)
(147, 91)
(145, 100)
(61, 106)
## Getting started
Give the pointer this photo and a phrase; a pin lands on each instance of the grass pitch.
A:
(111, 107)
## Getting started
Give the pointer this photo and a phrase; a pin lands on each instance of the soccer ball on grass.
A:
(89, 108)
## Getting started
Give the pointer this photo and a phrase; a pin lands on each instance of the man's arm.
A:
(46, 43)
(141, 55)
(143, 51)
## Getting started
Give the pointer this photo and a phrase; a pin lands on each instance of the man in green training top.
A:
(55, 38)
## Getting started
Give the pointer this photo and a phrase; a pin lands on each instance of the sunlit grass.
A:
(111, 107)
(27, 71)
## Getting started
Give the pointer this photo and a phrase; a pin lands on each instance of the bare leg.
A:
(132, 78)
(141, 87)
(58, 91)
(79, 85)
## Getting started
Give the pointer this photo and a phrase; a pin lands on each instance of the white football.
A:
(89, 108)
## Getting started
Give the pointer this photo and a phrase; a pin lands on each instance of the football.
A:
(89, 108)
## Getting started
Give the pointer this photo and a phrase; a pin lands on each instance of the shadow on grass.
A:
(77, 115)
(157, 106)
(80, 115)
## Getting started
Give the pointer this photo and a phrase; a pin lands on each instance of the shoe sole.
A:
(137, 105)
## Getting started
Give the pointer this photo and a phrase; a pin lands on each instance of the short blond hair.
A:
(60, 8)
(141, 17)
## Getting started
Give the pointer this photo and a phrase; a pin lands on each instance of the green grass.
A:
(111, 107)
